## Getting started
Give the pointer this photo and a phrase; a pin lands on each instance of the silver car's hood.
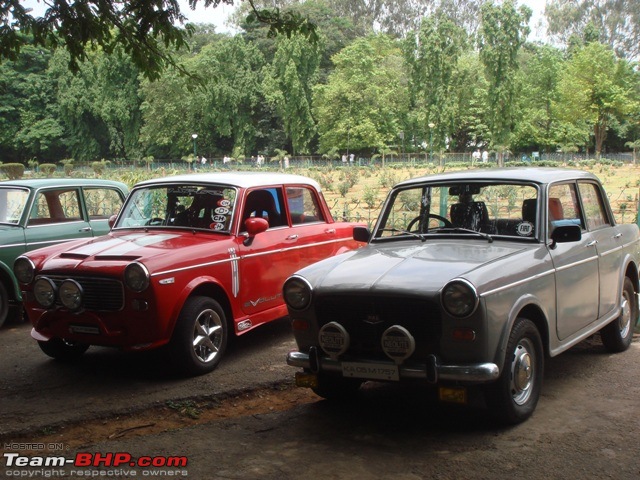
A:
(412, 267)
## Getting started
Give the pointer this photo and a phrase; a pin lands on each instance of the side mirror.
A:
(361, 234)
(254, 226)
(566, 234)
(112, 221)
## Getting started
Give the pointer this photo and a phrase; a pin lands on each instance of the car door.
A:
(575, 264)
(264, 262)
(56, 215)
(607, 242)
(100, 204)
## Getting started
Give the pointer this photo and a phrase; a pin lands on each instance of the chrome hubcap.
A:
(624, 320)
(207, 335)
(522, 372)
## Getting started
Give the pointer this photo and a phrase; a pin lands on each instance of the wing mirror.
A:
(566, 234)
(254, 226)
(112, 221)
(361, 234)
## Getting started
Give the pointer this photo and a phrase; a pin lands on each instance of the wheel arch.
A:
(534, 313)
(10, 283)
(217, 293)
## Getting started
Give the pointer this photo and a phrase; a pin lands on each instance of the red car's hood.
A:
(157, 248)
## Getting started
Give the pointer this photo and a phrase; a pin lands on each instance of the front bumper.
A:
(431, 371)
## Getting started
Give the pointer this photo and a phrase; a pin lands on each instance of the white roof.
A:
(235, 179)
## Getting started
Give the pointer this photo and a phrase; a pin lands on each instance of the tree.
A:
(615, 22)
(142, 29)
(365, 102)
(432, 54)
(598, 88)
(502, 33)
(287, 87)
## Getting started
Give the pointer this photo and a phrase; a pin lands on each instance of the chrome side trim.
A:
(515, 284)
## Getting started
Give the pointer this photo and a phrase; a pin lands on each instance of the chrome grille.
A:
(367, 317)
(100, 294)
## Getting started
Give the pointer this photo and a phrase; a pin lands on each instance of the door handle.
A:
(617, 235)
(330, 230)
(592, 243)
(292, 237)
(85, 229)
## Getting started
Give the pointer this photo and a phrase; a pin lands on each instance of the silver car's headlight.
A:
(71, 295)
(44, 291)
(24, 270)
(297, 293)
(136, 277)
(459, 298)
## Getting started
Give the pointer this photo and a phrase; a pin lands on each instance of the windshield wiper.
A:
(486, 236)
(413, 234)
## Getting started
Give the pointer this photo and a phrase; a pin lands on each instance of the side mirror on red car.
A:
(254, 226)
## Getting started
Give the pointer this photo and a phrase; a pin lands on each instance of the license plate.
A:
(84, 329)
(371, 371)
(453, 395)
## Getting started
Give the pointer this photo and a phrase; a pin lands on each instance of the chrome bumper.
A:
(432, 371)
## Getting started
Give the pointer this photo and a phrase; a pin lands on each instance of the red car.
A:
(189, 260)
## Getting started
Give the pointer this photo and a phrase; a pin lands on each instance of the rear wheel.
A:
(62, 350)
(514, 396)
(617, 335)
(4, 304)
(200, 337)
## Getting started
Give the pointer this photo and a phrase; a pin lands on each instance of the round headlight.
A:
(136, 277)
(44, 290)
(297, 293)
(24, 269)
(70, 293)
(459, 298)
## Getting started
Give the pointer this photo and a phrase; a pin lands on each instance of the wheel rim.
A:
(624, 321)
(207, 335)
(523, 372)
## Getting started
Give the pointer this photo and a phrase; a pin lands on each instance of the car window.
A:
(12, 203)
(265, 203)
(55, 206)
(102, 203)
(563, 207)
(504, 209)
(594, 211)
(207, 207)
(303, 206)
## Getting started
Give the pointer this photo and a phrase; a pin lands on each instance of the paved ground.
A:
(586, 425)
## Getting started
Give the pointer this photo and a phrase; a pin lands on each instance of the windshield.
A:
(489, 209)
(12, 203)
(207, 207)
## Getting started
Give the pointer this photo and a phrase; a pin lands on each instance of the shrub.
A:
(47, 169)
(13, 171)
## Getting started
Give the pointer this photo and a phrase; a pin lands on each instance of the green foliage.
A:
(48, 169)
(13, 171)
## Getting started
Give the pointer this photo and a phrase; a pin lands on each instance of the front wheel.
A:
(514, 396)
(200, 337)
(617, 335)
(60, 349)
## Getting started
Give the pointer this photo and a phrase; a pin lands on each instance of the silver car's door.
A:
(575, 263)
(600, 225)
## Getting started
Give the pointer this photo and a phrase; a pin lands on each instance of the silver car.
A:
(469, 280)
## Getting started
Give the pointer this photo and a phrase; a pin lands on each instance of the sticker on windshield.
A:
(525, 229)
(224, 203)
(217, 226)
(221, 211)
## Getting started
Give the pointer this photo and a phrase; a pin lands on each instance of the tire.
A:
(4, 304)
(62, 350)
(200, 336)
(617, 335)
(514, 396)
(336, 388)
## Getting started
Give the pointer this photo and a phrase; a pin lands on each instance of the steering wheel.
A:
(440, 218)
(155, 221)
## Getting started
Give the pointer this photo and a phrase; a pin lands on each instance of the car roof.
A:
(540, 175)
(36, 183)
(235, 179)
